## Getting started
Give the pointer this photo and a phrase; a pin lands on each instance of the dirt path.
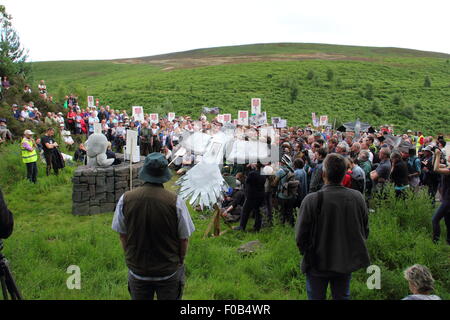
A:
(192, 62)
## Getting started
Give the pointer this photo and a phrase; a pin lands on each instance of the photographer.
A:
(6, 219)
(444, 210)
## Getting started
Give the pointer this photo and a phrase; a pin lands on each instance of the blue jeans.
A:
(317, 284)
(442, 212)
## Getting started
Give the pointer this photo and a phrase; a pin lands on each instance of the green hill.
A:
(379, 85)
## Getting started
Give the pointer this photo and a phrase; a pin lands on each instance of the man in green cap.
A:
(154, 226)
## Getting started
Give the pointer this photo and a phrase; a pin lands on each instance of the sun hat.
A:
(428, 148)
(155, 169)
(28, 132)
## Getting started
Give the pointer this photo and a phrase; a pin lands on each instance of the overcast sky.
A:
(109, 29)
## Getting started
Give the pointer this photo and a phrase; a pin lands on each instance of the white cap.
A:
(28, 132)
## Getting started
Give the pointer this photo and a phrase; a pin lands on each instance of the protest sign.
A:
(282, 123)
(226, 118)
(315, 120)
(220, 118)
(90, 101)
(97, 102)
(97, 127)
(154, 118)
(275, 121)
(256, 106)
(131, 148)
(323, 120)
(171, 116)
(259, 119)
(243, 118)
(138, 113)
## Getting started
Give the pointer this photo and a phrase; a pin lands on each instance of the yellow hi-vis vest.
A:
(28, 156)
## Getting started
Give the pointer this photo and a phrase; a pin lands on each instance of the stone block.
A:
(80, 187)
(85, 196)
(89, 172)
(84, 179)
(92, 191)
(108, 207)
(76, 180)
(100, 181)
(77, 197)
(91, 180)
(110, 197)
(94, 210)
(121, 184)
(80, 209)
(100, 196)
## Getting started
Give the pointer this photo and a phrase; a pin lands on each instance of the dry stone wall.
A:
(97, 190)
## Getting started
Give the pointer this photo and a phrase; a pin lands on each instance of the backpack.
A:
(358, 184)
(412, 168)
(289, 187)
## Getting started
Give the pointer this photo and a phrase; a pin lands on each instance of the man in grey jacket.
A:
(331, 233)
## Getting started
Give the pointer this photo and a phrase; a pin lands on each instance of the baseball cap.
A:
(29, 132)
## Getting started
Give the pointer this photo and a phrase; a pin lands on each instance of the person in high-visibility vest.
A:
(29, 155)
(420, 141)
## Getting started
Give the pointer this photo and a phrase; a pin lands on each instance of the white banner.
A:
(220, 118)
(171, 116)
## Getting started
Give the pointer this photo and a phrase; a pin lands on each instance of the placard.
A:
(90, 101)
(154, 118)
(256, 106)
(97, 102)
(138, 113)
(282, 123)
(315, 120)
(227, 118)
(242, 118)
(276, 121)
(259, 119)
(323, 120)
(131, 141)
(220, 118)
(171, 116)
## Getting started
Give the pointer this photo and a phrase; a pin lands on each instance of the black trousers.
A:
(32, 171)
(252, 205)
(171, 289)
(145, 148)
(50, 163)
(287, 210)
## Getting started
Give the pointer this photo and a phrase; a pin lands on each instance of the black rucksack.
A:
(289, 187)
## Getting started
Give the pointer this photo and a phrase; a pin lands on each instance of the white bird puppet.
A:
(204, 184)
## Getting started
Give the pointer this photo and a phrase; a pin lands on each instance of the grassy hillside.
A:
(48, 239)
(379, 85)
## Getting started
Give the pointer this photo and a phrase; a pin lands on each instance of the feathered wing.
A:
(203, 185)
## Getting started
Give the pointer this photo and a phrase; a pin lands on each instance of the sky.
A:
(111, 29)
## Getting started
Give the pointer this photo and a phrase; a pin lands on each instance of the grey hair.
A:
(364, 155)
(386, 152)
(420, 277)
(344, 146)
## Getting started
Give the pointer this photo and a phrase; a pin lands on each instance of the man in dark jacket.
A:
(6, 219)
(331, 234)
(154, 226)
(254, 197)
